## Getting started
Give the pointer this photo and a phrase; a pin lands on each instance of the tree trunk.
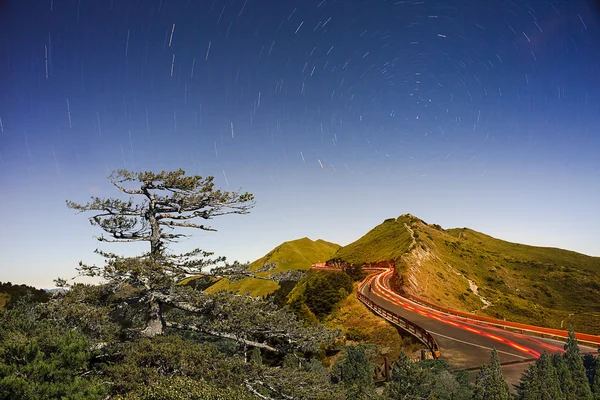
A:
(155, 242)
(154, 324)
(155, 237)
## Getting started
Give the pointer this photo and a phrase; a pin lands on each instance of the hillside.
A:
(471, 271)
(385, 242)
(297, 254)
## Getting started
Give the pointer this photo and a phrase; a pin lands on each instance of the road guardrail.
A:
(421, 334)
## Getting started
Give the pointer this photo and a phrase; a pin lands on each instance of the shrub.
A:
(356, 334)
(325, 289)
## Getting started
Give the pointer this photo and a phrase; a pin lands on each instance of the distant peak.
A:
(409, 216)
(304, 239)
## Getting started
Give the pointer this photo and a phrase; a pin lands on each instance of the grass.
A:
(386, 242)
(297, 254)
(535, 285)
(360, 325)
(529, 284)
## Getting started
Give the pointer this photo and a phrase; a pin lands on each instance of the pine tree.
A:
(581, 388)
(550, 388)
(530, 386)
(409, 380)
(565, 379)
(596, 381)
(540, 381)
(490, 383)
(356, 373)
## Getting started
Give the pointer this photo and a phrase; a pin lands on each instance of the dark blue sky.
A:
(336, 114)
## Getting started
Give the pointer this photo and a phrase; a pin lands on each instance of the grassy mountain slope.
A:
(471, 271)
(385, 242)
(297, 254)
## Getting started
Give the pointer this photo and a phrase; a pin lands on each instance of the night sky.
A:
(335, 114)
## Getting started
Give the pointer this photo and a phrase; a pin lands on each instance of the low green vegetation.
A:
(318, 294)
(10, 294)
(42, 359)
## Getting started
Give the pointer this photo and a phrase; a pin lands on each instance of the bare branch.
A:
(119, 240)
(117, 182)
(173, 237)
(182, 305)
(196, 214)
(255, 392)
(186, 225)
(224, 335)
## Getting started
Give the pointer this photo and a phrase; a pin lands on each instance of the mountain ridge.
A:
(471, 271)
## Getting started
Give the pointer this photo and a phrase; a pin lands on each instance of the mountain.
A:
(297, 254)
(468, 270)
(388, 241)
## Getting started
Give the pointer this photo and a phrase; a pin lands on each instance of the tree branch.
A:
(197, 214)
(122, 189)
(124, 240)
(173, 236)
(186, 225)
(223, 335)
(256, 392)
(185, 306)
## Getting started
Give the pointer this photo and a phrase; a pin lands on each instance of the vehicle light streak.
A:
(383, 291)
(375, 280)
(380, 281)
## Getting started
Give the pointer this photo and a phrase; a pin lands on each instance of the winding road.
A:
(463, 340)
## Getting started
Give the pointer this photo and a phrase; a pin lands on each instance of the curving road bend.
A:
(463, 342)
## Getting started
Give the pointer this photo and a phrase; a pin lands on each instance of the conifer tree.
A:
(540, 381)
(490, 383)
(581, 388)
(596, 381)
(530, 386)
(409, 380)
(355, 371)
(589, 363)
(565, 379)
(549, 379)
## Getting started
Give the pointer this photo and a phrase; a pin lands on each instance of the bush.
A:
(43, 359)
(184, 388)
(325, 289)
(356, 334)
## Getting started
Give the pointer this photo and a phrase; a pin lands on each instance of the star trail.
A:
(336, 114)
